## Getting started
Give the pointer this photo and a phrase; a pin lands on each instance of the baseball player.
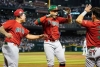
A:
(13, 38)
(63, 47)
(92, 35)
(84, 48)
(50, 24)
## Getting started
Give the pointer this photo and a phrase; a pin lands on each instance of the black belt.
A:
(93, 46)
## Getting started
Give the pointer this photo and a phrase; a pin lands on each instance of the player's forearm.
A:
(80, 17)
(29, 36)
(69, 19)
(2, 30)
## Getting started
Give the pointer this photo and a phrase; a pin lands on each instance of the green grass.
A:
(39, 57)
(68, 53)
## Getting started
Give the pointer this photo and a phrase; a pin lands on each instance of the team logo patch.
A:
(53, 23)
(19, 30)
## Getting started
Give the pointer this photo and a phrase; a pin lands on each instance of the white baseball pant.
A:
(93, 57)
(11, 54)
(84, 48)
(53, 49)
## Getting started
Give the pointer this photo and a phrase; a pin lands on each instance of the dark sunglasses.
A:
(23, 13)
(55, 10)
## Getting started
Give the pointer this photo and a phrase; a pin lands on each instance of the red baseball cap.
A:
(18, 12)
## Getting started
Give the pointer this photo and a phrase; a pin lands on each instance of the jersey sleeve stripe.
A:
(38, 20)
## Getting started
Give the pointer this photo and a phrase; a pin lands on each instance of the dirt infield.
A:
(44, 65)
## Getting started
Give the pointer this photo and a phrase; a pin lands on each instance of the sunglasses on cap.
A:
(22, 13)
(55, 10)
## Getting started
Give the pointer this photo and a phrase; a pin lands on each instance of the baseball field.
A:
(38, 59)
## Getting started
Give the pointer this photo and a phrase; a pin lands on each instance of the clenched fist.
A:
(88, 8)
(43, 36)
(68, 10)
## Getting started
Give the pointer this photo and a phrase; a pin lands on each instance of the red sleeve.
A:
(8, 24)
(86, 23)
(26, 32)
(62, 20)
(39, 21)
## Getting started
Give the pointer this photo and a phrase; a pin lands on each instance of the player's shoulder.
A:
(10, 21)
(87, 21)
(60, 18)
(49, 19)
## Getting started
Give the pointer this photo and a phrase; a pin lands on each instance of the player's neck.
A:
(18, 20)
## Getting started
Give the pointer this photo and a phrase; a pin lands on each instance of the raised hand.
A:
(88, 8)
(67, 10)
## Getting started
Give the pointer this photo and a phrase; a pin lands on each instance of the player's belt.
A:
(15, 44)
(93, 47)
(6, 43)
(51, 40)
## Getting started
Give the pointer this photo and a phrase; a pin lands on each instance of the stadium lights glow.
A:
(75, 13)
(1, 10)
(66, 0)
(30, 1)
(59, 5)
(45, 3)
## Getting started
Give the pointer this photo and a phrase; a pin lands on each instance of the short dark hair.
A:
(96, 12)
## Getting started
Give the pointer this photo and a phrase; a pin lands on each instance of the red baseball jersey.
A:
(17, 31)
(51, 26)
(93, 33)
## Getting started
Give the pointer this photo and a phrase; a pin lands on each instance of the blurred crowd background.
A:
(71, 34)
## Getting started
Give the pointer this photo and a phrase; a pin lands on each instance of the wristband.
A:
(69, 16)
(48, 15)
(84, 13)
